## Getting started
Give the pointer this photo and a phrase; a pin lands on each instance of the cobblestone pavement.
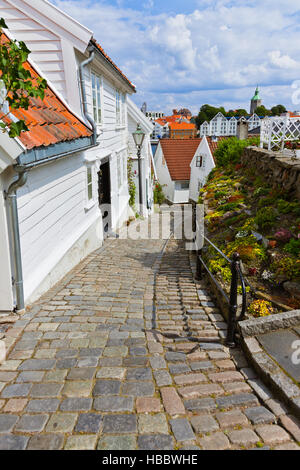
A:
(108, 359)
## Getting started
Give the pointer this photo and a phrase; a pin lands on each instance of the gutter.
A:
(83, 93)
(11, 196)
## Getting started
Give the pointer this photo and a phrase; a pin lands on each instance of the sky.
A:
(186, 53)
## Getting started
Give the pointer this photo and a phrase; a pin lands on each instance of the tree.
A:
(262, 111)
(278, 110)
(206, 113)
(240, 112)
(17, 84)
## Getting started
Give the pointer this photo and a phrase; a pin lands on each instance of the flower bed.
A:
(247, 215)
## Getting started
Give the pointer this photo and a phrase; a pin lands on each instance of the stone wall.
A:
(276, 167)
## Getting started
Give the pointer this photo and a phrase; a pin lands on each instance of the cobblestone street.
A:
(125, 353)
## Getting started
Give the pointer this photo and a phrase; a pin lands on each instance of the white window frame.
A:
(120, 109)
(89, 184)
(199, 161)
(119, 171)
(97, 97)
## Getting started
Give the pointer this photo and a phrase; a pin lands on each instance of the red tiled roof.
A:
(49, 121)
(93, 41)
(178, 155)
(176, 126)
(161, 121)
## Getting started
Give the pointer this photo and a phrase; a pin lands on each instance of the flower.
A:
(261, 308)
(283, 235)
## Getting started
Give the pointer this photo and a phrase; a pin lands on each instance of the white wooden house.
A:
(61, 210)
(135, 117)
(183, 166)
(201, 165)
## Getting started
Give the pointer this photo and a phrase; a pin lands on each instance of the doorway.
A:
(104, 195)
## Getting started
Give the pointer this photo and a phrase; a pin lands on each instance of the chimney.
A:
(242, 130)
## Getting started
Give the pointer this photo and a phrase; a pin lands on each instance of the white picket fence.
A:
(275, 131)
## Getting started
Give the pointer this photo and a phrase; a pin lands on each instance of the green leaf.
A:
(16, 128)
(2, 23)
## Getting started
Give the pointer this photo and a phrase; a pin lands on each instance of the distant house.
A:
(227, 126)
(182, 130)
(161, 129)
(202, 164)
(183, 165)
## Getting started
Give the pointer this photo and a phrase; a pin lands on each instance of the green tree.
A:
(240, 112)
(206, 113)
(17, 84)
(278, 110)
(262, 111)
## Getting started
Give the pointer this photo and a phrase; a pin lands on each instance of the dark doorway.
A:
(105, 196)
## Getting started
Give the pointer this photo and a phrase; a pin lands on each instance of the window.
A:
(123, 109)
(200, 185)
(125, 167)
(120, 109)
(89, 183)
(199, 160)
(96, 90)
(119, 161)
(182, 185)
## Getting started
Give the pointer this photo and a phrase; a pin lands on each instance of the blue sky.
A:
(188, 53)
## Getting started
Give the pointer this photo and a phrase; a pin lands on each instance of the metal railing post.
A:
(199, 266)
(230, 340)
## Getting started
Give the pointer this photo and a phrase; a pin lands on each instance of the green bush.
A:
(265, 217)
(230, 150)
(159, 196)
(293, 247)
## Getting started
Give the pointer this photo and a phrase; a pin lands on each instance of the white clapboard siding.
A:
(44, 44)
(51, 210)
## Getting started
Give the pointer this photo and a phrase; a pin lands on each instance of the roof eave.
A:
(130, 87)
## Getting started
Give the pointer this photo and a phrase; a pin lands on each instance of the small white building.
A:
(183, 166)
(172, 160)
(161, 130)
(201, 165)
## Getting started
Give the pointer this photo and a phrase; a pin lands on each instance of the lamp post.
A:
(138, 137)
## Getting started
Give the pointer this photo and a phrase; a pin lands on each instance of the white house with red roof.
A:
(72, 164)
(183, 166)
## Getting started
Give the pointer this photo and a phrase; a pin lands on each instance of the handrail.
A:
(236, 276)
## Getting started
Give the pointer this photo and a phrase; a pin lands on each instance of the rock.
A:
(292, 288)
(258, 236)
(8, 318)
(2, 352)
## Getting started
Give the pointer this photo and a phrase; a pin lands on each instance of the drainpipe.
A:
(83, 93)
(11, 196)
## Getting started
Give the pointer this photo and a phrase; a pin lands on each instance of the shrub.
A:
(230, 150)
(287, 267)
(265, 217)
(230, 206)
(293, 247)
(159, 196)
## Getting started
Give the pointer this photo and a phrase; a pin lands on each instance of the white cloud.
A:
(220, 50)
(282, 61)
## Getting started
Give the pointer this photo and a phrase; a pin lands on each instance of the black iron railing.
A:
(232, 300)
